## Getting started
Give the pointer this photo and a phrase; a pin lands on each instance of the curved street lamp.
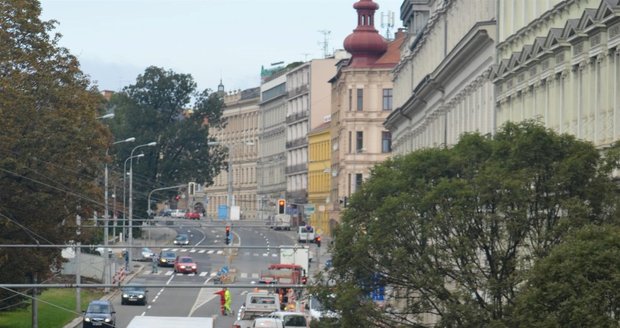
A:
(130, 232)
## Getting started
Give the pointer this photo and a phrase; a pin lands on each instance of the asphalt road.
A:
(202, 302)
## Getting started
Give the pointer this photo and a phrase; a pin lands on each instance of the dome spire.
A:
(365, 44)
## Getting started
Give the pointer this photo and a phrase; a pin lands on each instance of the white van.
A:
(306, 234)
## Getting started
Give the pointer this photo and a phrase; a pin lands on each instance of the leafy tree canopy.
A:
(576, 285)
(165, 107)
(453, 232)
(51, 144)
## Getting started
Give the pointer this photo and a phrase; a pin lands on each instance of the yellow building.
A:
(319, 168)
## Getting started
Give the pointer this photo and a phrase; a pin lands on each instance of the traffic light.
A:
(317, 241)
(281, 206)
(227, 235)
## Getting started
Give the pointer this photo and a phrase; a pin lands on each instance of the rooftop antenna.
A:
(325, 43)
(387, 22)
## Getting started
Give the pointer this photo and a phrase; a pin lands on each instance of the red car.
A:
(185, 264)
(192, 215)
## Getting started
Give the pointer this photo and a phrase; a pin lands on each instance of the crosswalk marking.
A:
(169, 273)
(244, 275)
(211, 251)
(202, 251)
(220, 252)
(192, 251)
(202, 274)
(255, 275)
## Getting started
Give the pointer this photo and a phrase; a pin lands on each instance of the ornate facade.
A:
(563, 69)
(240, 137)
(442, 85)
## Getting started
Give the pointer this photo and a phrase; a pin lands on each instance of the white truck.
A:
(257, 304)
(167, 322)
(299, 255)
(306, 234)
(282, 222)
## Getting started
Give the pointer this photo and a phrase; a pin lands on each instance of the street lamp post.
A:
(125, 173)
(106, 218)
(130, 232)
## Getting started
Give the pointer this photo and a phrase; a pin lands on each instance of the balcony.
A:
(299, 168)
(296, 143)
(297, 91)
(297, 116)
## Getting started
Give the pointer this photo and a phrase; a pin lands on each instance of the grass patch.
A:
(50, 316)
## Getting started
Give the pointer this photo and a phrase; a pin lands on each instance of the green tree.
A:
(454, 231)
(576, 285)
(51, 145)
(165, 107)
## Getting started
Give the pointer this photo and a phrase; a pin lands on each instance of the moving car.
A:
(192, 215)
(185, 264)
(181, 239)
(290, 319)
(133, 294)
(167, 258)
(99, 313)
(147, 254)
(267, 323)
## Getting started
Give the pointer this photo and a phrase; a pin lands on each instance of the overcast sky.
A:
(115, 40)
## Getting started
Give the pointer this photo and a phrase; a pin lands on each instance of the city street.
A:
(245, 265)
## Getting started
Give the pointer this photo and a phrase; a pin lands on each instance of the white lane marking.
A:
(148, 307)
(202, 274)
(213, 274)
(265, 254)
(165, 249)
(175, 249)
(274, 255)
(169, 273)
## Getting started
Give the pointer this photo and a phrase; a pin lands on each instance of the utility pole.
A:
(35, 305)
(78, 278)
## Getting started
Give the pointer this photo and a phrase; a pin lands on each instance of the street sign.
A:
(309, 209)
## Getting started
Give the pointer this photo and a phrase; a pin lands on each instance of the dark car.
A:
(133, 294)
(166, 258)
(181, 239)
(99, 314)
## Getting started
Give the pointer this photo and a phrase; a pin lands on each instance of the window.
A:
(358, 181)
(386, 142)
(359, 141)
(387, 99)
(350, 100)
(350, 141)
(360, 100)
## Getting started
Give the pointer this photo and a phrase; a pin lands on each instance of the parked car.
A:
(177, 213)
(166, 212)
(192, 215)
(147, 254)
(133, 294)
(167, 258)
(185, 264)
(99, 313)
(181, 239)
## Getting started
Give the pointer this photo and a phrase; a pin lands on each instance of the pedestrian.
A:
(154, 264)
(228, 300)
(126, 255)
(222, 294)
